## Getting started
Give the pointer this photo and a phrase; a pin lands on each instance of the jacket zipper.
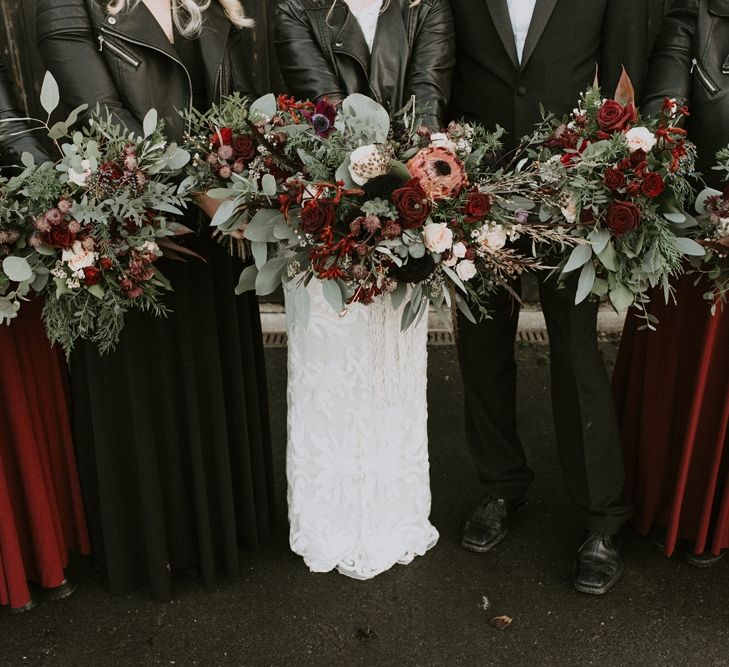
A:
(124, 38)
(122, 54)
(703, 76)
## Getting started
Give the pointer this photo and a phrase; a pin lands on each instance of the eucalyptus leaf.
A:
(333, 294)
(599, 239)
(225, 212)
(580, 255)
(96, 290)
(621, 298)
(50, 95)
(178, 159)
(261, 227)
(585, 282)
(260, 253)
(17, 269)
(690, 247)
(608, 259)
(247, 280)
(269, 275)
(264, 106)
(268, 185)
(149, 124)
(703, 196)
(463, 307)
(73, 116)
(398, 294)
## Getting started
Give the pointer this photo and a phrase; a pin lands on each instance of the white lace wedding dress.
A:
(357, 458)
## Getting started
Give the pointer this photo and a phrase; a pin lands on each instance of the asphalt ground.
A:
(430, 612)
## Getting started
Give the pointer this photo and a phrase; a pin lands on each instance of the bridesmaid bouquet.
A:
(713, 235)
(87, 230)
(622, 186)
(368, 204)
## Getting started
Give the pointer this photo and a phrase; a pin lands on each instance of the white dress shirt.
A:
(367, 17)
(521, 12)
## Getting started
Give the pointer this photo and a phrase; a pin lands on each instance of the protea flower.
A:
(440, 172)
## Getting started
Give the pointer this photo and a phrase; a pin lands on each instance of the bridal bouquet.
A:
(86, 231)
(713, 234)
(621, 181)
(368, 204)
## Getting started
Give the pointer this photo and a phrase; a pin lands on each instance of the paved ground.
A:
(428, 613)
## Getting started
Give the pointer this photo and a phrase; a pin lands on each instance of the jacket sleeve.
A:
(12, 144)
(69, 49)
(624, 44)
(431, 64)
(669, 71)
(306, 71)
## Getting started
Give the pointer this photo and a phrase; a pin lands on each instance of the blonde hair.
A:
(187, 15)
(385, 5)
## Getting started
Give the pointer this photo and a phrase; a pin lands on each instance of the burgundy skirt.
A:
(41, 514)
(672, 392)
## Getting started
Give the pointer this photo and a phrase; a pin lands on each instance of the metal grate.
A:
(435, 338)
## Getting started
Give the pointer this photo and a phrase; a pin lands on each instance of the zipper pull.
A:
(694, 62)
(101, 43)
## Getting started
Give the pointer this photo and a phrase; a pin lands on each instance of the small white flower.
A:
(640, 138)
(459, 250)
(78, 258)
(437, 237)
(492, 237)
(466, 269)
(79, 178)
(367, 162)
(442, 140)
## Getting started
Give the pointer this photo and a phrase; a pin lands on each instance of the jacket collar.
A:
(345, 35)
(499, 10)
(141, 27)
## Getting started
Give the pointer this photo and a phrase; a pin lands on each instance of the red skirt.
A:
(41, 514)
(672, 393)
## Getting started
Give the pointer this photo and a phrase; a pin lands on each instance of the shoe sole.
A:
(487, 547)
(59, 593)
(704, 564)
(605, 589)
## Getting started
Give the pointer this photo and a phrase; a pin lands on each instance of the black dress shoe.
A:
(26, 607)
(704, 560)
(488, 524)
(599, 565)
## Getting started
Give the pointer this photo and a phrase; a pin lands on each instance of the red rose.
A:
(614, 179)
(244, 147)
(222, 137)
(478, 206)
(412, 204)
(637, 157)
(614, 117)
(60, 237)
(653, 185)
(316, 216)
(92, 275)
(106, 263)
(622, 217)
(634, 188)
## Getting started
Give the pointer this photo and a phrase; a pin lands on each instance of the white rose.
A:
(79, 178)
(367, 162)
(78, 257)
(640, 137)
(437, 237)
(451, 261)
(459, 250)
(494, 237)
(442, 140)
(466, 269)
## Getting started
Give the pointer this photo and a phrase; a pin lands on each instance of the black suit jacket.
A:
(567, 40)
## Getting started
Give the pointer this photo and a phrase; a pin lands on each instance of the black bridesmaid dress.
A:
(172, 428)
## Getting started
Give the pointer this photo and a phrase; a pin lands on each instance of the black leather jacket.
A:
(126, 63)
(12, 147)
(691, 63)
(413, 53)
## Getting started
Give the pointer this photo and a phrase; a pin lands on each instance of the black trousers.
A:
(583, 407)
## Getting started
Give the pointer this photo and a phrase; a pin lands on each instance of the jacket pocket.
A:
(105, 44)
(702, 76)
